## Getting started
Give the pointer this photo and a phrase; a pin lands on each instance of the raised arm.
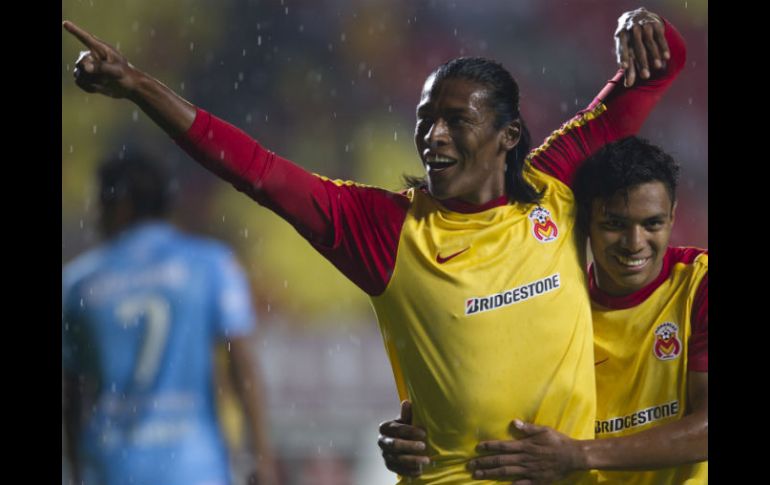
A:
(645, 43)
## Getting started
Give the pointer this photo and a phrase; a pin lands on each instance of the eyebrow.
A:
(615, 215)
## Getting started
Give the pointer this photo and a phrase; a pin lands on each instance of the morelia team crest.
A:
(667, 345)
(543, 227)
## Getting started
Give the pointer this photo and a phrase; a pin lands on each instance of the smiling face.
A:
(462, 151)
(629, 237)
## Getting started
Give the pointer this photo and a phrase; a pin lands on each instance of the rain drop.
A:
(395, 136)
(94, 129)
(192, 46)
(259, 40)
(135, 115)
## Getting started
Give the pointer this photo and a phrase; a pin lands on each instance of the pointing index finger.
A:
(86, 38)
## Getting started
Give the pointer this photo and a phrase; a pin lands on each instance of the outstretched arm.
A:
(357, 228)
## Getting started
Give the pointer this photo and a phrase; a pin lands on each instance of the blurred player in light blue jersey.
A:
(141, 317)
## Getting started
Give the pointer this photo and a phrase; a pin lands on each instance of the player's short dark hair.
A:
(134, 177)
(618, 166)
(503, 98)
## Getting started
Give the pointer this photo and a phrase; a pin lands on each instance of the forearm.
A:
(171, 112)
(684, 441)
(251, 392)
(293, 193)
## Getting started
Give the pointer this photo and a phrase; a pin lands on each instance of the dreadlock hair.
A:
(503, 98)
(618, 166)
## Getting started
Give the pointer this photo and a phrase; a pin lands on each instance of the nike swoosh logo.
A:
(601, 361)
(441, 260)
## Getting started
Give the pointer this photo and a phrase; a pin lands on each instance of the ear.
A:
(510, 136)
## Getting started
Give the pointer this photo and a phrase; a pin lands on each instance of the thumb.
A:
(406, 412)
(528, 429)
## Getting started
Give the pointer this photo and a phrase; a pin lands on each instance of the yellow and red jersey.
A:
(645, 345)
(484, 310)
(486, 318)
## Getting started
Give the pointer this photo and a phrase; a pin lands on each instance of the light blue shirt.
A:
(140, 317)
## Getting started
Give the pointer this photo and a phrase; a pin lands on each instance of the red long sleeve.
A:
(593, 127)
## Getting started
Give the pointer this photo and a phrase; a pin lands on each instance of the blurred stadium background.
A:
(333, 84)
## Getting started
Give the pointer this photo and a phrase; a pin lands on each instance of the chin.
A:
(438, 192)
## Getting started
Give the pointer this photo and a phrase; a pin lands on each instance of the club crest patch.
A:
(543, 226)
(667, 345)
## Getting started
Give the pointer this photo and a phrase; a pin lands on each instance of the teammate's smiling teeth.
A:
(631, 261)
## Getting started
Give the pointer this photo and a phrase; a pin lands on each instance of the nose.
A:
(633, 239)
(438, 134)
